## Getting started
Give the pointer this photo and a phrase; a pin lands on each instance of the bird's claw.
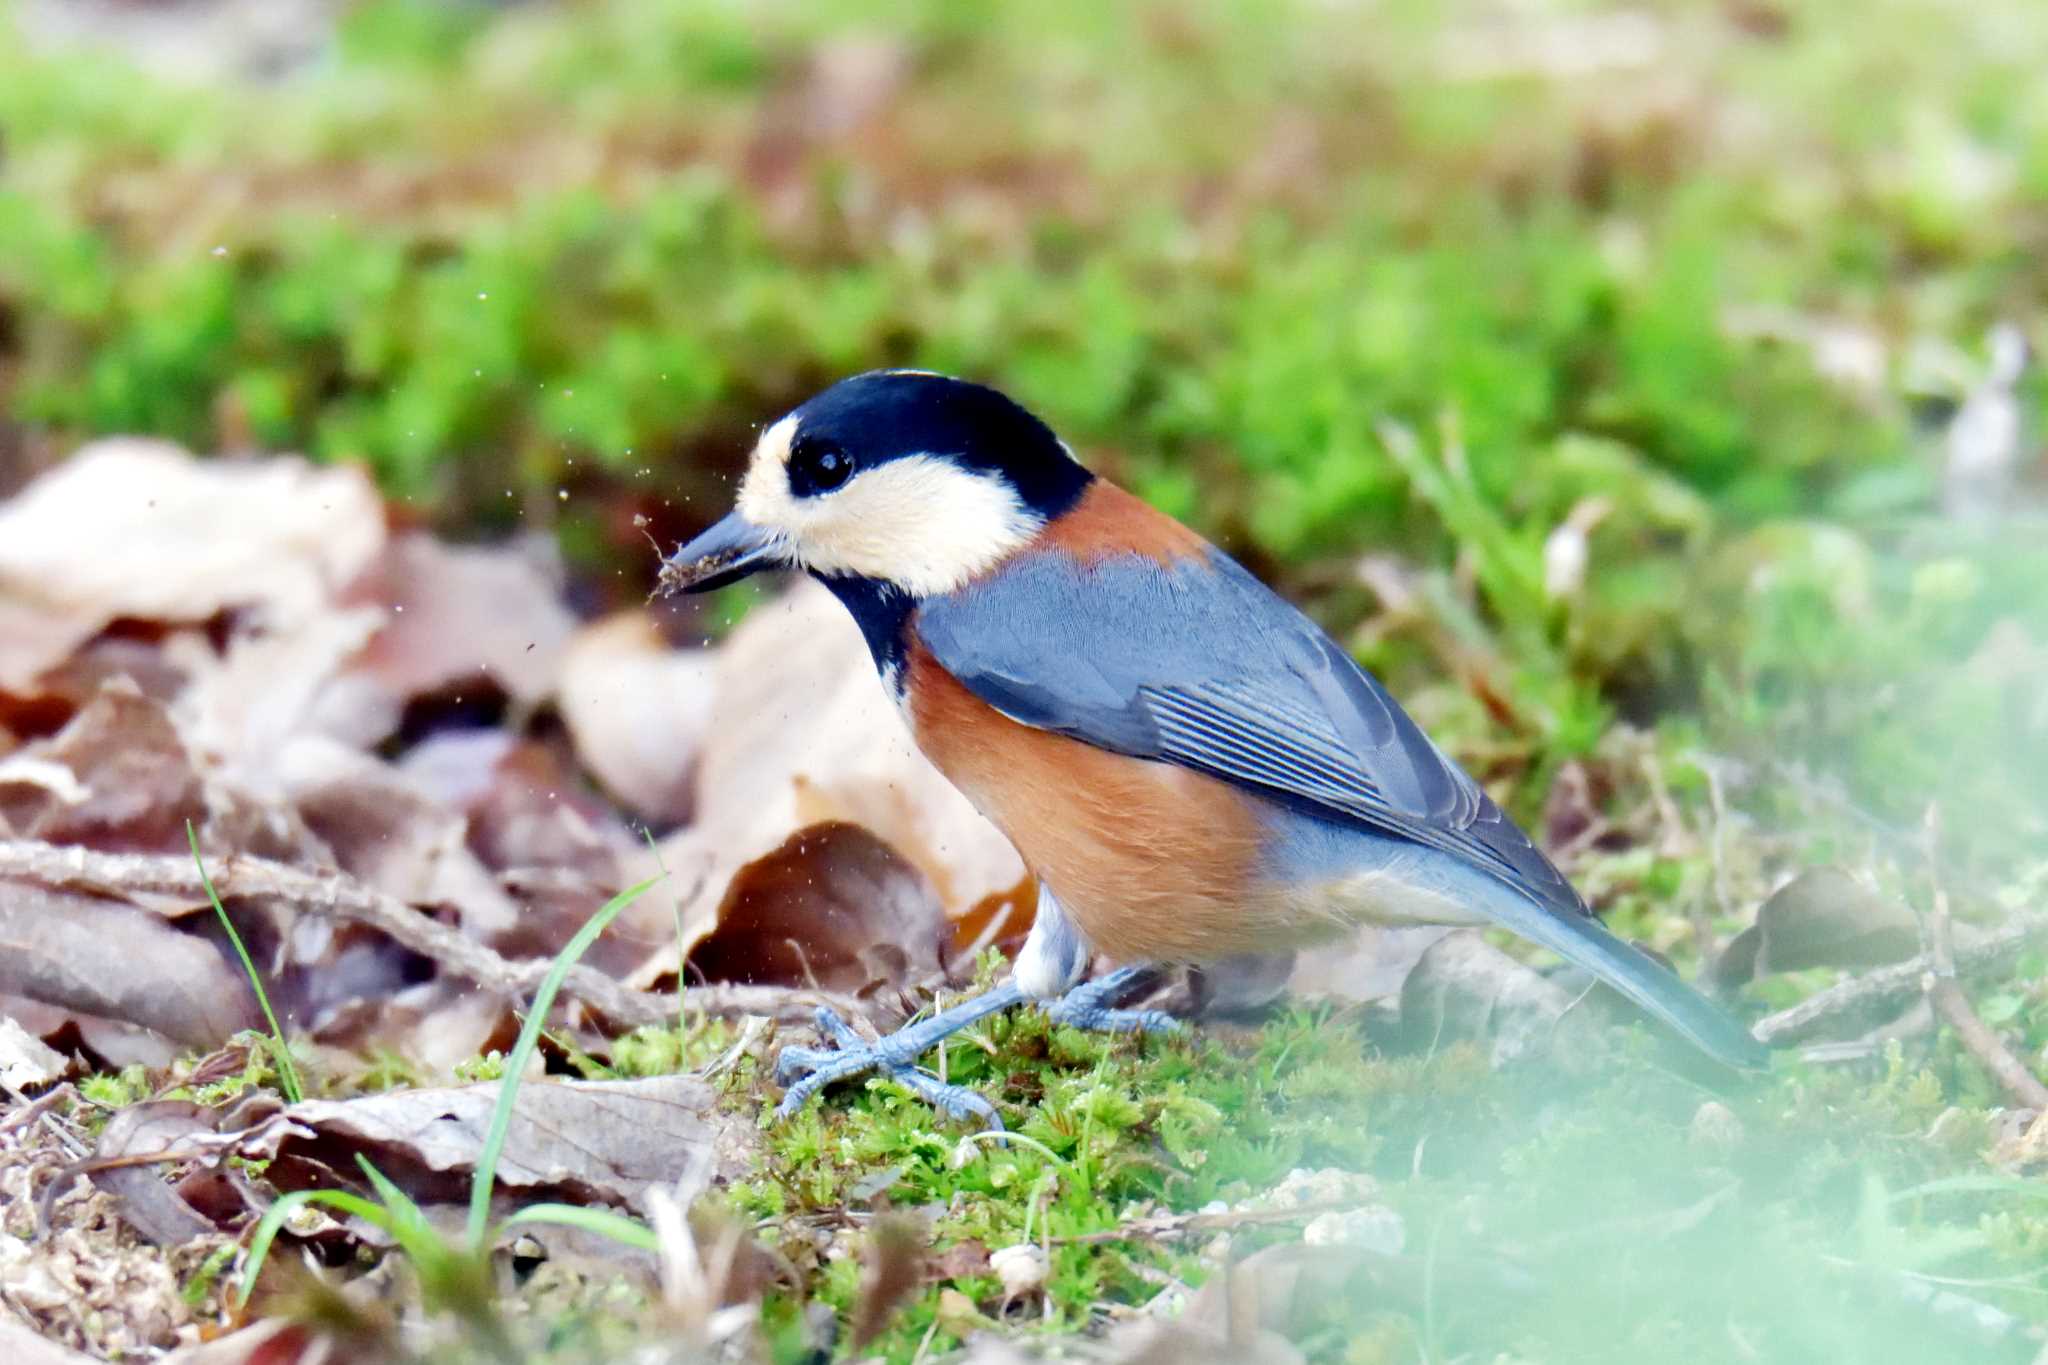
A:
(1102, 1019)
(807, 1070)
(1088, 1006)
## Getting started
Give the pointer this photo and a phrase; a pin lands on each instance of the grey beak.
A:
(724, 554)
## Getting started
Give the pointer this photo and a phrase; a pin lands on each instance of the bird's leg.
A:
(1051, 964)
(807, 1070)
(1088, 1005)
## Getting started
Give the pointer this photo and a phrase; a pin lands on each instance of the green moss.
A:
(1614, 1227)
(1325, 296)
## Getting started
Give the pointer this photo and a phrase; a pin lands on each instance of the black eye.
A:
(817, 466)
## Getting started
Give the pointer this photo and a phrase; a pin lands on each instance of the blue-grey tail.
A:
(1307, 849)
(1586, 942)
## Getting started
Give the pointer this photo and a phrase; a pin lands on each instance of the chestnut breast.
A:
(1153, 861)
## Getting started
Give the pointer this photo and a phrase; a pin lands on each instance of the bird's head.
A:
(898, 477)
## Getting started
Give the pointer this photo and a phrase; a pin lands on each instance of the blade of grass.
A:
(682, 949)
(274, 1218)
(408, 1223)
(287, 1072)
(486, 1175)
(619, 1228)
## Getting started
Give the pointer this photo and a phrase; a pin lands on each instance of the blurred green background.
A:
(1618, 381)
(1710, 274)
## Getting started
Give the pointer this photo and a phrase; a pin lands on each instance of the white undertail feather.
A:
(919, 521)
(1055, 954)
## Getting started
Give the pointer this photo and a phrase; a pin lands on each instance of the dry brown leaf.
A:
(1821, 918)
(147, 1204)
(272, 685)
(461, 614)
(1001, 920)
(892, 1267)
(64, 689)
(536, 812)
(802, 733)
(23, 1347)
(135, 528)
(561, 852)
(586, 1142)
(834, 907)
(638, 711)
(437, 1025)
(117, 777)
(103, 957)
(26, 1061)
(387, 829)
(457, 768)
(1373, 964)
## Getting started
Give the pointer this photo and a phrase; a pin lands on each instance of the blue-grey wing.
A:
(1202, 665)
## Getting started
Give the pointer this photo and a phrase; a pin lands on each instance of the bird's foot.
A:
(1089, 1006)
(807, 1070)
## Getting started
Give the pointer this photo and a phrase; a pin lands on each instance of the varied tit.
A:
(1191, 767)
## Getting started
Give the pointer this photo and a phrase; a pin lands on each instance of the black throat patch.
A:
(882, 610)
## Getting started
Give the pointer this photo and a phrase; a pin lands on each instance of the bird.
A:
(1192, 769)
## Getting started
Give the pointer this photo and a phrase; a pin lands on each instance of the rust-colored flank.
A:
(1155, 862)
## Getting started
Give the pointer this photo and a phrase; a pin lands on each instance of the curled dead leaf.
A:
(801, 734)
(584, 1142)
(26, 1061)
(1373, 964)
(638, 711)
(834, 907)
(102, 957)
(132, 528)
(1821, 918)
(266, 687)
(118, 777)
(124, 1164)
(452, 614)
(385, 828)
(1464, 988)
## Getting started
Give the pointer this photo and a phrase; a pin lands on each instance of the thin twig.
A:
(1863, 1002)
(1938, 930)
(1950, 1001)
(1717, 855)
(342, 897)
(1987, 1047)
(1173, 1225)
(30, 1110)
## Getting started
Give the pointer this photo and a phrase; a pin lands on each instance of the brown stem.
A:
(1949, 998)
(335, 894)
(2022, 1085)
(1865, 1001)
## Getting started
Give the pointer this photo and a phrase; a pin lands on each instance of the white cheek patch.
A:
(918, 521)
(773, 446)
